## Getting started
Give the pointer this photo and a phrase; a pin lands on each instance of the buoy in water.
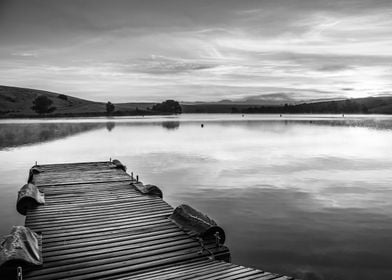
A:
(202, 125)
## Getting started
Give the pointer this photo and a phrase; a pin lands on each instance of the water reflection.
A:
(14, 135)
(22, 133)
(171, 125)
(287, 231)
(306, 197)
(110, 126)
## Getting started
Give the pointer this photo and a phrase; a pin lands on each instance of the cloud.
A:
(165, 65)
(334, 68)
(146, 50)
(24, 54)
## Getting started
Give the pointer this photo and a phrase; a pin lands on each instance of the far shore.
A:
(149, 113)
(82, 115)
(31, 103)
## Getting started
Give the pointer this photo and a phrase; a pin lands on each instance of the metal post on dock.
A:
(19, 273)
(217, 239)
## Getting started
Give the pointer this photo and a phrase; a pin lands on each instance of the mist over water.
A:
(306, 196)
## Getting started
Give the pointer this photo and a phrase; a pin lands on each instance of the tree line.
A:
(331, 107)
(43, 105)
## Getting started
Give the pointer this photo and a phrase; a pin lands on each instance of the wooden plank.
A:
(118, 251)
(98, 225)
(85, 211)
(166, 273)
(103, 267)
(126, 234)
(107, 243)
(99, 217)
(104, 230)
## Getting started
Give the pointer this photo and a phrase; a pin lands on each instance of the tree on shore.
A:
(109, 107)
(42, 105)
(168, 106)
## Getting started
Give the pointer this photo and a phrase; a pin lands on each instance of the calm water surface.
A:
(308, 196)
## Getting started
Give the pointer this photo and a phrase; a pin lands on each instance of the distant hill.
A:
(17, 102)
(368, 105)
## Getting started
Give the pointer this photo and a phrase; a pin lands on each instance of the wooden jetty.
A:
(96, 224)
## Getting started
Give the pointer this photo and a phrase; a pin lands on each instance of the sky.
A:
(197, 50)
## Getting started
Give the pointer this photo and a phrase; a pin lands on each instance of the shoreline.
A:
(149, 113)
(82, 115)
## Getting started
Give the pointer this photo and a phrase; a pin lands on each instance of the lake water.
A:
(306, 196)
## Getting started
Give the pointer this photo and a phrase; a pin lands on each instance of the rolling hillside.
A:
(368, 105)
(17, 102)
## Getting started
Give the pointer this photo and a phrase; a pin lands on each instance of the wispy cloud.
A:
(25, 54)
(166, 65)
